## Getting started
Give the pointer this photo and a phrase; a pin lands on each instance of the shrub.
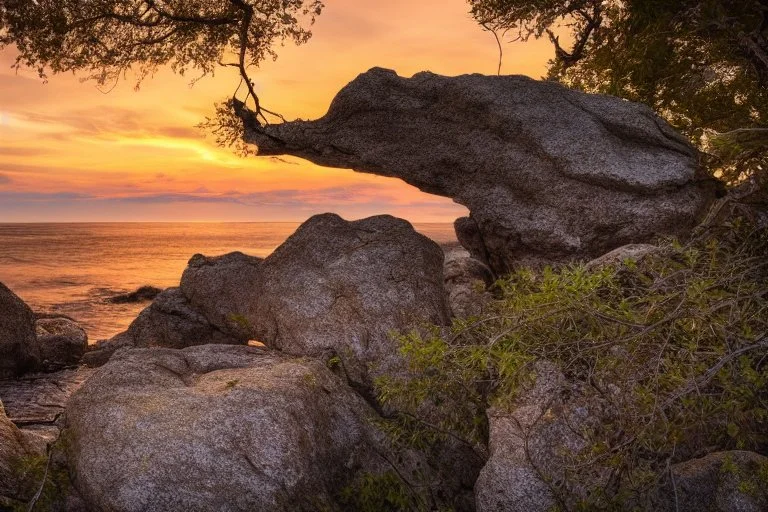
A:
(681, 334)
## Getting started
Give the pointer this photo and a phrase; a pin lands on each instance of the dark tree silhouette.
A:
(107, 38)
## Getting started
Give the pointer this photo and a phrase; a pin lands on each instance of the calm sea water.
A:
(72, 269)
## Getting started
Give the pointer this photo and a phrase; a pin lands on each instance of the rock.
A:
(222, 428)
(170, 321)
(222, 289)
(339, 287)
(18, 348)
(634, 252)
(334, 288)
(34, 405)
(12, 451)
(40, 398)
(469, 236)
(62, 342)
(142, 294)
(466, 280)
(735, 481)
(99, 353)
(548, 173)
(531, 445)
(26, 455)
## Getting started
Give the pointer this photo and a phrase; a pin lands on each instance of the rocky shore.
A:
(252, 385)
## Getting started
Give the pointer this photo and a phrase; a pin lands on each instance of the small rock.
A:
(142, 294)
(62, 342)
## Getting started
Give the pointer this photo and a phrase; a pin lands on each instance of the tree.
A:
(703, 65)
(107, 38)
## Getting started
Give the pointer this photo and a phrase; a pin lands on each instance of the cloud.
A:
(4, 179)
(43, 196)
(106, 122)
(20, 151)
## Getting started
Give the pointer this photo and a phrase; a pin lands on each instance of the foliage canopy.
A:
(107, 38)
(674, 346)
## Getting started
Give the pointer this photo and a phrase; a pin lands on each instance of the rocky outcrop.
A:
(466, 281)
(18, 347)
(225, 428)
(341, 288)
(735, 481)
(334, 288)
(532, 445)
(547, 173)
(224, 289)
(61, 341)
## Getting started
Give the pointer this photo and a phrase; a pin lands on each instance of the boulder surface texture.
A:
(548, 173)
(532, 444)
(216, 427)
(339, 288)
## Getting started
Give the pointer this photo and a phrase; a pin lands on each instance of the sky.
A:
(70, 152)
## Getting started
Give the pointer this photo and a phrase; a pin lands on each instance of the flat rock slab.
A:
(38, 399)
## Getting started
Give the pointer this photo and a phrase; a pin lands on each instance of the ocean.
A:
(72, 269)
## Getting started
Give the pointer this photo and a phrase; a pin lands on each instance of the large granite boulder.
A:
(224, 289)
(61, 341)
(547, 173)
(339, 288)
(226, 428)
(334, 289)
(18, 346)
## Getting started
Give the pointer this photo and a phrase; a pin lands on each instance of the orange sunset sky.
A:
(71, 153)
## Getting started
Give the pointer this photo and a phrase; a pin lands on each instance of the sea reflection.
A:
(71, 269)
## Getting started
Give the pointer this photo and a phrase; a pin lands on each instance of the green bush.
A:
(378, 493)
(682, 333)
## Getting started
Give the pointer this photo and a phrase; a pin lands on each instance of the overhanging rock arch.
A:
(548, 174)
